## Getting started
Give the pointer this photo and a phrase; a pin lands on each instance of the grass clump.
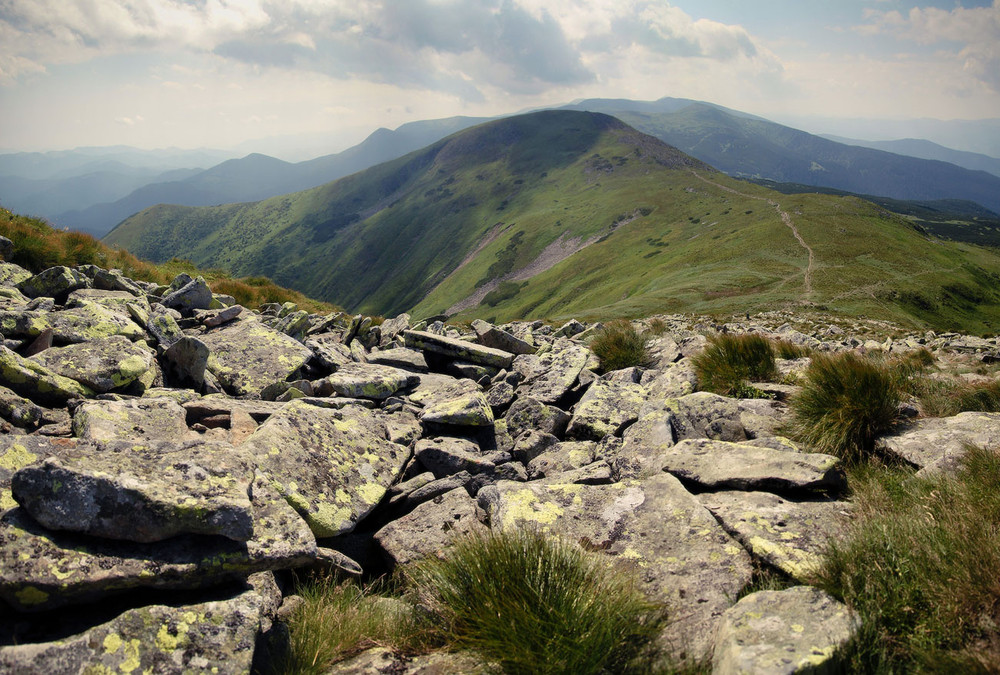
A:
(338, 620)
(619, 345)
(729, 362)
(785, 349)
(536, 604)
(920, 564)
(846, 402)
(943, 398)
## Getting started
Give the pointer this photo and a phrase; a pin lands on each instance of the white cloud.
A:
(967, 36)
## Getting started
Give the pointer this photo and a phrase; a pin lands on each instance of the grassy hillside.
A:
(37, 246)
(481, 224)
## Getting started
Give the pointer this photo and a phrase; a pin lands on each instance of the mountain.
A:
(80, 161)
(561, 213)
(257, 176)
(918, 147)
(752, 147)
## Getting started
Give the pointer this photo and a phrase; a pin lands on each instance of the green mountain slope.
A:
(563, 213)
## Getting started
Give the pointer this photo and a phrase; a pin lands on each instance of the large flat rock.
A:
(430, 528)
(248, 356)
(459, 350)
(939, 442)
(142, 419)
(333, 466)
(36, 382)
(653, 527)
(101, 365)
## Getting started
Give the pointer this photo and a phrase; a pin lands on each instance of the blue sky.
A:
(214, 73)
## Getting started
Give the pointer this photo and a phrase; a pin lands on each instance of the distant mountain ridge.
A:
(569, 213)
(923, 149)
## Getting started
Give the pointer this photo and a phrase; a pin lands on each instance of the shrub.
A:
(730, 361)
(535, 604)
(337, 620)
(619, 345)
(920, 564)
(846, 402)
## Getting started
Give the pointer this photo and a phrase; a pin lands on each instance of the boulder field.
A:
(167, 455)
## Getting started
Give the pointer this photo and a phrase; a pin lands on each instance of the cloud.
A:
(970, 36)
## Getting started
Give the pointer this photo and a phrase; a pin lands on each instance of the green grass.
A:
(619, 345)
(337, 620)
(729, 362)
(536, 604)
(920, 565)
(846, 402)
(943, 398)
(785, 349)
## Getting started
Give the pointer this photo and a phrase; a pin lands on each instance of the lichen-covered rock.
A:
(444, 456)
(706, 415)
(211, 637)
(18, 410)
(434, 388)
(141, 492)
(938, 443)
(186, 360)
(407, 359)
(654, 527)
(495, 338)
(797, 630)
(33, 381)
(17, 452)
(248, 356)
(53, 283)
(560, 458)
(429, 529)
(737, 466)
(333, 466)
(162, 325)
(383, 660)
(11, 275)
(101, 365)
(469, 410)
(145, 419)
(528, 414)
(356, 380)
(457, 349)
(560, 369)
(642, 445)
(788, 535)
(40, 570)
(607, 407)
(195, 294)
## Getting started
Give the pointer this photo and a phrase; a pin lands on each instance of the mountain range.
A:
(560, 213)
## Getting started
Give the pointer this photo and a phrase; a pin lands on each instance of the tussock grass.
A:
(943, 398)
(337, 620)
(846, 402)
(535, 604)
(730, 361)
(619, 345)
(921, 566)
(785, 349)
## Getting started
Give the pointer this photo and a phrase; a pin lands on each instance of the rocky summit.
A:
(167, 456)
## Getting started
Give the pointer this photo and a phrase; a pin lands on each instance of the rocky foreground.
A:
(166, 451)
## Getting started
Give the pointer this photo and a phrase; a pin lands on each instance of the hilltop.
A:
(566, 213)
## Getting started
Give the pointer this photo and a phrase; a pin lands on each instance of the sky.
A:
(218, 73)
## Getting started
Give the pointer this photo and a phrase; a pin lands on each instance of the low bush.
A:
(729, 362)
(535, 604)
(619, 345)
(920, 564)
(845, 403)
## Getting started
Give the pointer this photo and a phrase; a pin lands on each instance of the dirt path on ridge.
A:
(785, 218)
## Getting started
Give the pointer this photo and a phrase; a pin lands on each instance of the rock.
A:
(457, 349)
(937, 443)
(41, 570)
(140, 492)
(383, 660)
(328, 350)
(469, 410)
(101, 365)
(213, 318)
(528, 414)
(445, 456)
(28, 378)
(113, 280)
(643, 444)
(146, 419)
(531, 444)
(560, 458)
(54, 282)
(114, 300)
(718, 464)
(429, 528)
(663, 351)
(608, 407)
(18, 410)
(797, 630)
(500, 396)
(655, 527)
(356, 380)
(706, 415)
(216, 637)
(788, 535)
(186, 361)
(6, 248)
(491, 336)
(562, 367)
(333, 466)
(570, 328)
(195, 294)
(248, 356)
(11, 275)
(407, 359)
(162, 325)
(86, 321)
(434, 489)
